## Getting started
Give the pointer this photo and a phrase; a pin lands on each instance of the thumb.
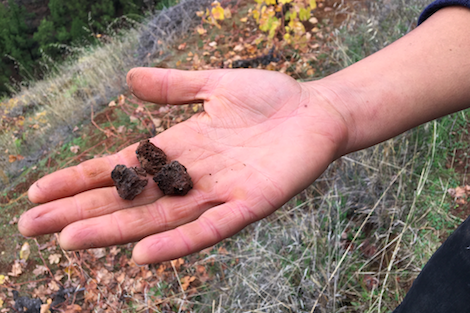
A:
(170, 86)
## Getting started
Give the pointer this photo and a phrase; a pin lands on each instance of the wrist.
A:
(330, 97)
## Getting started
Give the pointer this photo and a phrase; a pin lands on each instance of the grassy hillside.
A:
(352, 242)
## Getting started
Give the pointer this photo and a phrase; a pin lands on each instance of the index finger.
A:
(87, 175)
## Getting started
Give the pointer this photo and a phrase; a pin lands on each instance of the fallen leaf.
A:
(114, 251)
(41, 292)
(238, 48)
(54, 258)
(217, 11)
(370, 282)
(186, 280)
(200, 30)
(74, 149)
(39, 270)
(313, 20)
(25, 251)
(3, 278)
(98, 252)
(13, 158)
(157, 122)
(16, 269)
(73, 308)
(222, 250)
(121, 129)
(45, 308)
(112, 104)
(53, 286)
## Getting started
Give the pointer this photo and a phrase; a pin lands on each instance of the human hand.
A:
(262, 138)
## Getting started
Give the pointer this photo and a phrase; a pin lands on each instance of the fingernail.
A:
(129, 80)
(139, 265)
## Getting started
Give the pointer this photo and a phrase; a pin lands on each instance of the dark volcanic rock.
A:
(151, 158)
(173, 179)
(128, 182)
(25, 304)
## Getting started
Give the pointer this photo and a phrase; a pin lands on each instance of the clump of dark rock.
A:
(25, 304)
(128, 182)
(173, 179)
(32, 305)
(151, 158)
(255, 62)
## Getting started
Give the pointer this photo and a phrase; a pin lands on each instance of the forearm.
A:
(422, 76)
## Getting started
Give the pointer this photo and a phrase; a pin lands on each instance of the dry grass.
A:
(54, 106)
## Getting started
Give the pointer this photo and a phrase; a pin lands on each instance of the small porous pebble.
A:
(173, 179)
(128, 182)
(151, 158)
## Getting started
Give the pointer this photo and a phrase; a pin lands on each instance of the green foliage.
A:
(23, 49)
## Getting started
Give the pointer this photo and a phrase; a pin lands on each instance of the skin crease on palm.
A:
(262, 138)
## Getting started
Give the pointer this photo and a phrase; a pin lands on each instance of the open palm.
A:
(261, 139)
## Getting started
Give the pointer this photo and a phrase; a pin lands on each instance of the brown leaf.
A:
(367, 249)
(39, 270)
(222, 250)
(186, 280)
(40, 292)
(73, 308)
(53, 286)
(54, 258)
(16, 269)
(370, 282)
(13, 158)
(98, 252)
(114, 251)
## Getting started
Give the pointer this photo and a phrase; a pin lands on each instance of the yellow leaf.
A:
(255, 14)
(1, 303)
(287, 37)
(25, 251)
(2, 279)
(218, 12)
(274, 26)
(304, 14)
(244, 19)
(200, 30)
(270, 2)
(285, 1)
(313, 4)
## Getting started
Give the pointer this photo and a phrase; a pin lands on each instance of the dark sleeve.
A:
(439, 4)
